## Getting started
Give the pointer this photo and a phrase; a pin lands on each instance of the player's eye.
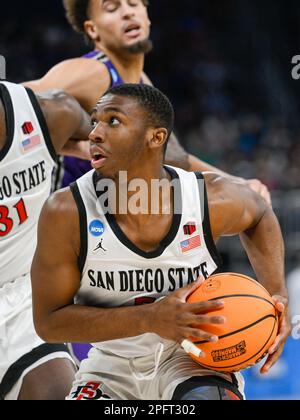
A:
(94, 124)
(114, 121)
(111, 7)
(133, 3)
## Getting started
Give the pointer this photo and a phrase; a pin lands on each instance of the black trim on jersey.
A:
(83, 225)
(58, 174)
(208, 237)
(43, 124)
(16, 370)
(111, 77)
(101, 57)
(202, 381)
(9, 120)
(127, 242)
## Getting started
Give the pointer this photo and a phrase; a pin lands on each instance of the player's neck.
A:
(149, 198)
(129, 66)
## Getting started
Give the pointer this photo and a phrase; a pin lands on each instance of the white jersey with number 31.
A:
(26, 165)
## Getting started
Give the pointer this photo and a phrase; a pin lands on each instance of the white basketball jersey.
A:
(26, 164)
(116, 273)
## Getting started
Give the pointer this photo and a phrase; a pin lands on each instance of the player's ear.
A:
(157, 138)
(91, 30)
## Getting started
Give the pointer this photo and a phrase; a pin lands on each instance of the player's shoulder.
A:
(83, 78)
(60, 205)
(214, 182)
(83, 69)
(222, 191)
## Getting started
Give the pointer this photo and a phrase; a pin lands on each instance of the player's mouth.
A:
(133, 30)
(98, 159)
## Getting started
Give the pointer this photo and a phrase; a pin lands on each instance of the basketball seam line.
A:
(250, 296)
(241, 330)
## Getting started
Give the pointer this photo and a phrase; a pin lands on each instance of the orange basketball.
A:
(251, 322)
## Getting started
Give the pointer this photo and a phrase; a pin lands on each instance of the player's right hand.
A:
(174, 319)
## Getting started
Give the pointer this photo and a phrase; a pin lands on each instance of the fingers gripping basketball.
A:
(251, 322)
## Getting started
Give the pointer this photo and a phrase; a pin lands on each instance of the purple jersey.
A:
(73, 168)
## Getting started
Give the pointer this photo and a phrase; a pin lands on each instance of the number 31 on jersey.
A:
(6, 221)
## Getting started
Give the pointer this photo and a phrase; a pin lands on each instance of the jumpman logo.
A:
(100, 246)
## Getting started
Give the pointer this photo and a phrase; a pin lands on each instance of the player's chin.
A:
(107, 172)
(140, 46)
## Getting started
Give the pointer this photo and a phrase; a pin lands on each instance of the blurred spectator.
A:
(227, 88)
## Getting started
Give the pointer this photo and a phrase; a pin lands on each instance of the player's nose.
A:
(96, 135)
(128, 11)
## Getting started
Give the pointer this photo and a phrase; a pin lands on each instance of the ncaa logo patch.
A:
(96, 228)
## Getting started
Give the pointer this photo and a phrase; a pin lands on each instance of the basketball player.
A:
(29, 368)
(119, 32)
(104, 264)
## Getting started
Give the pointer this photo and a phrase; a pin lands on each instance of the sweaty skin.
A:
(234, 210)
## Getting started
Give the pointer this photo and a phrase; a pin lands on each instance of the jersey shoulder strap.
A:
(207, 230)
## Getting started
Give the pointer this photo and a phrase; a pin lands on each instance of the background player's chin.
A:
(143, 46)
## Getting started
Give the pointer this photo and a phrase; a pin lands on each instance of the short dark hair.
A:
(77, 12)
(157, 106)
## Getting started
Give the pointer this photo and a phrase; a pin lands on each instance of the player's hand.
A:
(174, 319)
(284, 332)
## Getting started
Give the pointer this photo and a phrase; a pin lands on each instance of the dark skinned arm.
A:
(56, 279)
(236, 209)
(64, 117)
(177, 156)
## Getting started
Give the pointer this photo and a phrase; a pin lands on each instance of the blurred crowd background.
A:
(226, 65)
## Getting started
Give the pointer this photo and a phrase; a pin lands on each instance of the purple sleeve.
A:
(74, 168)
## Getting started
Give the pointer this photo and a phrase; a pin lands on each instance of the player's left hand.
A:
(284, 332)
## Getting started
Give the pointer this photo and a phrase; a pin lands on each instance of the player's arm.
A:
(177, 156)
(86, 80)
(237, 210)
(64, 117)
(197, 165)
(78, 149)
(56, 279)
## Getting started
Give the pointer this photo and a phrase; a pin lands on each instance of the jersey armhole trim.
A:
(83, 225)
(208, 237)
(43, 124)
(16, 370)
(9, 120)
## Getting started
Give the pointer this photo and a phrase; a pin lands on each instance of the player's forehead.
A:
(116, 103)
